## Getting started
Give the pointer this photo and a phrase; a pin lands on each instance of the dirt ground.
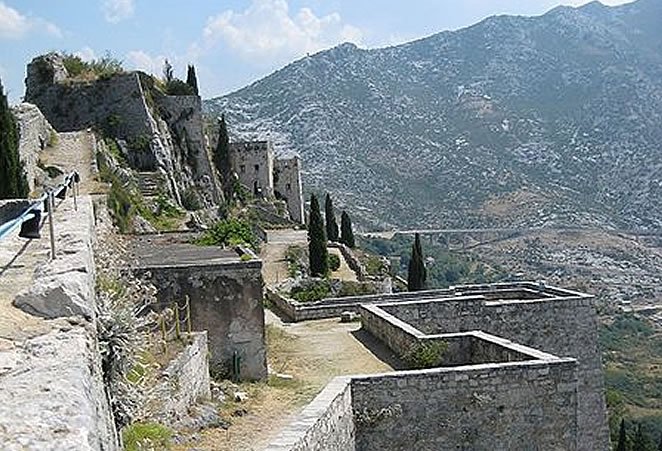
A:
(313, 353)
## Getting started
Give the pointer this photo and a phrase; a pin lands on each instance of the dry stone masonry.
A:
(265, 176)
(542, 390)
(225, 295)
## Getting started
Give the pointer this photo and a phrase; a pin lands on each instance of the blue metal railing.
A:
(40, 205)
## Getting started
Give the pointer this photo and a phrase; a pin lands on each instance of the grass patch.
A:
(146, 436)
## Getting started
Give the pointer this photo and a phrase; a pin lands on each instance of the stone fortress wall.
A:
(264, 175)
(254, 164)
(160, 133)
(489, 392)
(288, 185)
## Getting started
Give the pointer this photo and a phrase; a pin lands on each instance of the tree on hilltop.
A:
(346, 233)
(318, 254)
(192, 79)
(416, 274)
(168, 74)
(330, 216)
(13, 183)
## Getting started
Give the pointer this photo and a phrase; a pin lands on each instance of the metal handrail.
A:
(43, 203)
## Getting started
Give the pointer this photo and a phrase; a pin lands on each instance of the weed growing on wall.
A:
(428, 354)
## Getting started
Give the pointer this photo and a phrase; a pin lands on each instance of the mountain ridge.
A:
(512, 121)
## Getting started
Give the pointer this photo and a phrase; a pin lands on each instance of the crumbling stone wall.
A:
(287, 185)
(254, 164)
(116, 103)
(161, 133)
(184, 382)
(226, 301)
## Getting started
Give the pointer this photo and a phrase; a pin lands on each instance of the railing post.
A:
(51, 227)
(74, 187)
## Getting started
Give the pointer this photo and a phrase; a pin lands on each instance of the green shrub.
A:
(295, 257)
(146, 436)
(230, 232)
(351, 288)
(334, 262)
(190, 200)
(121, 206)
(427, 354)
(312, 292)
(176, 87)
(102, 68)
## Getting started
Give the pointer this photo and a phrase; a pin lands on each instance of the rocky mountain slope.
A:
(516, 120)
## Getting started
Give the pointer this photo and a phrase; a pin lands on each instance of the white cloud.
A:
(117, 10)
(86, 54)
(14, 25)
(140, 60)
(266, 29)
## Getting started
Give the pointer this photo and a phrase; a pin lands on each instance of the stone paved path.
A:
(20, 257)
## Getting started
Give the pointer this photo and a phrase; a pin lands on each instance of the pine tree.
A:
(13, 183)
(221, 158)
(331, 224)
(192, 79)
(622, 438)
(346, 233)
(416, 274)
(318, 254)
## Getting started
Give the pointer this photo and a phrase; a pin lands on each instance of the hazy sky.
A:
(232, 42)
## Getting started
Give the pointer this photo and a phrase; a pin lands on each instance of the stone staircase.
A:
(150, 183)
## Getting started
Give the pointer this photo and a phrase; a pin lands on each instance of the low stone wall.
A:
(326, 424)
(508, 406)
(53, 394)
(352, 261)
(334, 307)
(184, 382)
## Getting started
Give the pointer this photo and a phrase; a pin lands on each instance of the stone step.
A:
(150, 183)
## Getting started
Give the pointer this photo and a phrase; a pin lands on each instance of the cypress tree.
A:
(622, 437)
(331, 224)
(221, 158)
(192, 79)
(416, 274)
(318, 255)
(346, 233)
(13, 183)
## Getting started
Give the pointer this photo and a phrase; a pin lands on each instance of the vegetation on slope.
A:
(13, 183)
